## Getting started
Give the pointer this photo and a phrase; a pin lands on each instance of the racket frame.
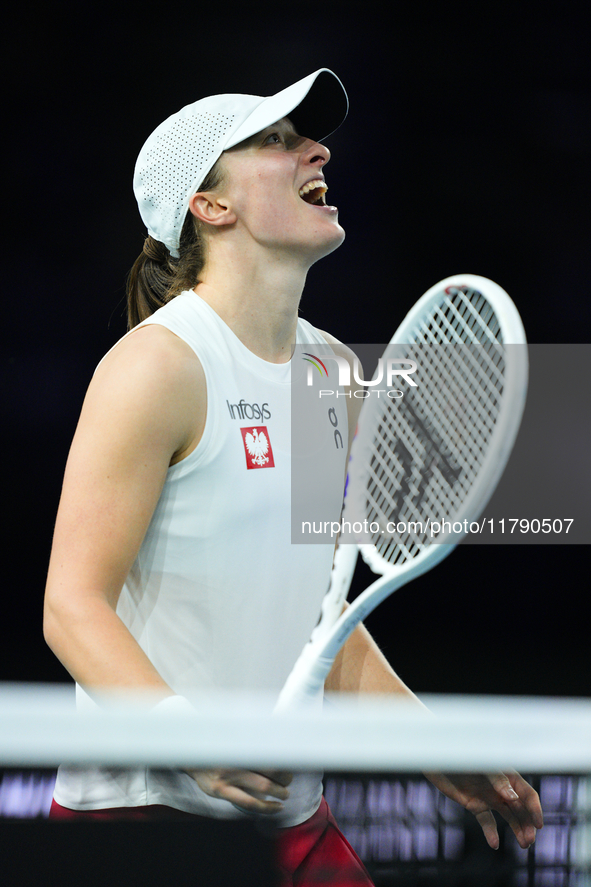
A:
(308, 675)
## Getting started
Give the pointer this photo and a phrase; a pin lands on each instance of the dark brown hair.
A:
(156, 277)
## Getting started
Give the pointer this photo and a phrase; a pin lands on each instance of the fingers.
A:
(529, 797)
(488, 825)
(520, 806)
(503, 787)
(245, 789)
(506, 793)
(283, 777)
(527, 811)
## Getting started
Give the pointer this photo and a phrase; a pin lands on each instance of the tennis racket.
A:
(425, 460)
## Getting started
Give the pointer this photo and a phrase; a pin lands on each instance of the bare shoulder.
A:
(151, 359)
(338, 346)
(154, 380)
(151, 349)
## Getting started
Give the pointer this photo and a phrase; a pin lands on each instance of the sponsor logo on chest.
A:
(253, 412)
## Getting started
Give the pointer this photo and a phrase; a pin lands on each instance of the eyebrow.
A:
(284, 125)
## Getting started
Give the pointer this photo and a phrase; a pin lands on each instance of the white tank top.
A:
(219, 597)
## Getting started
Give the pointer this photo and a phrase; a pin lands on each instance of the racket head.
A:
(436, 454)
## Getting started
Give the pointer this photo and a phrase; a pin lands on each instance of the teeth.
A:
(312, 186)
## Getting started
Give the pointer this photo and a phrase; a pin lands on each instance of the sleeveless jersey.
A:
(219, 597)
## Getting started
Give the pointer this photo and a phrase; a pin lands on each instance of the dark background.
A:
(467, 149)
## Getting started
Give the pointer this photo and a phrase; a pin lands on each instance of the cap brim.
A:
(316, 105)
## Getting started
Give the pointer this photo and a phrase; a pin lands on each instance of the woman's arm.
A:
(144, 409)
(360, 667)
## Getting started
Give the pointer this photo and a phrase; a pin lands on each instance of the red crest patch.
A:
(257, 447)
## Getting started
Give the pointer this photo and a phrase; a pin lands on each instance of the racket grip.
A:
(340, 582)
(305, 682)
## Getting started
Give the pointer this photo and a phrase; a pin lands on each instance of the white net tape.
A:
(41, 727)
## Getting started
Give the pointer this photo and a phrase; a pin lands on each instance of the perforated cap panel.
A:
(181, 151)
(173, 164)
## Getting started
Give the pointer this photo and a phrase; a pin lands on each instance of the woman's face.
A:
(275, 185)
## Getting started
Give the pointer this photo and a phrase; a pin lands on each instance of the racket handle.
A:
(309, 673)
(306, 680)
(340, 581)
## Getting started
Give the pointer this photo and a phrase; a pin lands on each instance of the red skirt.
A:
(313, 854)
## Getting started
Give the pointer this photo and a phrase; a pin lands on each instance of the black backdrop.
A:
(467, 148)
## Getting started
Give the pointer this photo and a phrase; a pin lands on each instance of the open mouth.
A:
(313, 192)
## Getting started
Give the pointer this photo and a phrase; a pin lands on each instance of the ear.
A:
(212, 208)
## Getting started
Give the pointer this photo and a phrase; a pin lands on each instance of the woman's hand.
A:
(247, 790)
(506, 793)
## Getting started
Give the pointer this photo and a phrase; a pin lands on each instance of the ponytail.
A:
(156, 277)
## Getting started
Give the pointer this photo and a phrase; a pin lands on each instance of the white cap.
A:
(181, 151)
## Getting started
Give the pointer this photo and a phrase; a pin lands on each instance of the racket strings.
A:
(429, 445)
(470, 310)
(436, 330)
(445, 389)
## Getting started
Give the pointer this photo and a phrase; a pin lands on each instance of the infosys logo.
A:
(254, 412)
(390, 364)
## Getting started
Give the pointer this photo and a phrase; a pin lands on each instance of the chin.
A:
(327, 245)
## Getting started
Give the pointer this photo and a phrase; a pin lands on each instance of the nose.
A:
(316, 154)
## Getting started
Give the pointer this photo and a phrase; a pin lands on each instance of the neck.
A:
(258, 300)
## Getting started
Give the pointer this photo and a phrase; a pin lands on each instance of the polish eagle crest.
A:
(257, 446)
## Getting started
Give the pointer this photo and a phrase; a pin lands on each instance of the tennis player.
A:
(172, 568)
